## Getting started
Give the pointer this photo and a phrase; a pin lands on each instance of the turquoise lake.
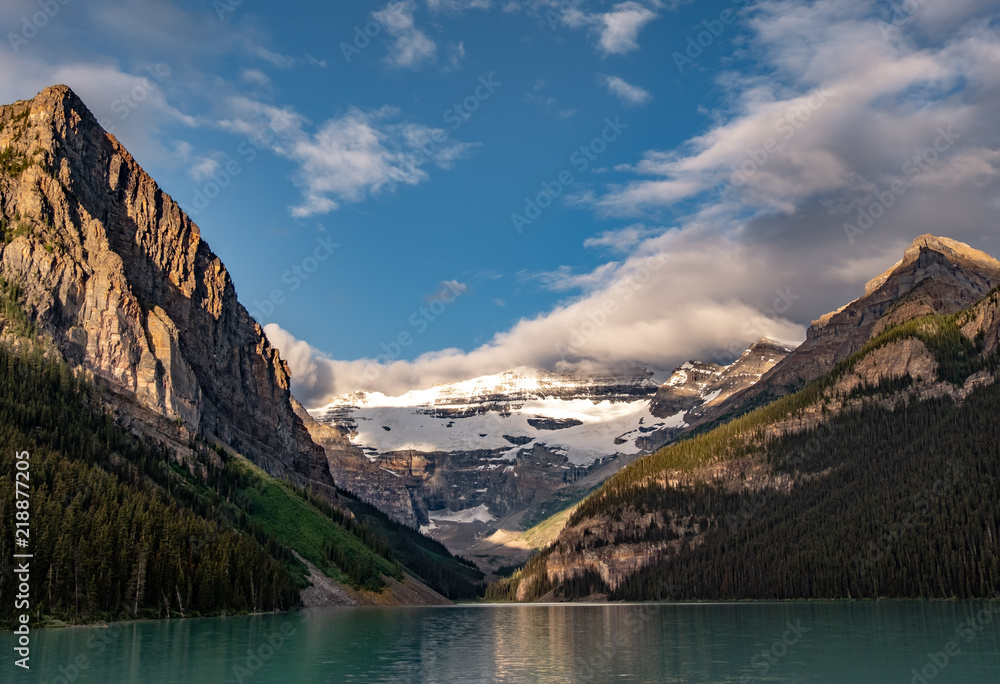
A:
(835, 643)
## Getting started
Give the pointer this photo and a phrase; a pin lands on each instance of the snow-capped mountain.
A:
(696, 390)
(489, 452)
(584, 418)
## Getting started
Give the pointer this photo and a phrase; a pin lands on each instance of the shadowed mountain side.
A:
(390, 492)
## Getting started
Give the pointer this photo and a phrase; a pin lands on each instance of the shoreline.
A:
(545, 604)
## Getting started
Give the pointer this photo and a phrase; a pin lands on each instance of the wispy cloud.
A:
(412, 48)
(844, 104)
(203, 168)
(350, 157)
(623, 239)
(449, 288)
(456, 55)
(274, 58)
(361, 153)
(255, 77)
(563, 279)
(458, 6)
(628, 93)
(539, 94)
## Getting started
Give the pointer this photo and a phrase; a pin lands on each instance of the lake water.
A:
(836, 643)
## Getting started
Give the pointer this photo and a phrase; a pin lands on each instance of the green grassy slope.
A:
(118, 530)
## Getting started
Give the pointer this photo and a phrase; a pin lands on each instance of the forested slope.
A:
(879, 479)
(119, 529)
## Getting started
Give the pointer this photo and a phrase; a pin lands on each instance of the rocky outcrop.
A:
(686, 388)
(387, 491)
(591, 545)
(113, 271)
(696, 390)
(984, 322)
(936, 276)
(696, 384)
(905, 357)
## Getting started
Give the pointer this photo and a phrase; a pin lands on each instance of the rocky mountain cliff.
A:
(696, 390)
(107, 265)
(936, 275)
(355, 473)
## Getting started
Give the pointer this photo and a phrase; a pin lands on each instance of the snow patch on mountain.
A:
(480, 513)
(584, 419)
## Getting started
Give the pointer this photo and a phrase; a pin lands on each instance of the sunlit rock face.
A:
(118, 276)
(936, 275)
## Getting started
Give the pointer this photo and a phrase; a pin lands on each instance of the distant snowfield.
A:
(386, 424)
(601, 423)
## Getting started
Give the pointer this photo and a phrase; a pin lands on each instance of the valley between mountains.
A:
(174, 474)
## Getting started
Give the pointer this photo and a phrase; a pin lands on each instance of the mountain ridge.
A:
(935, 276)
(712, 516)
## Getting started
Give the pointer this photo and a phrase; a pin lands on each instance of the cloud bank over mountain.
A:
(854, 133)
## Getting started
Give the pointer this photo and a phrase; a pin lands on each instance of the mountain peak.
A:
(950, 248)
(769, 343)
(953, 250)
(59, 99)
(114, 273)
(696, 386)
(59, 91)
(937, 275)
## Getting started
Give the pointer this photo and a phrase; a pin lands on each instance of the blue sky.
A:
(370, 173)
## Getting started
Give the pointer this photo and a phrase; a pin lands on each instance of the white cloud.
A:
(412, 47)
(449, 288)
(621, 27)
(347, 158)
(249, 117)
(563, 279)
(276, 59)
(360, 154)
(203, 168)
(842, 111)
(630, 94)
(618, 30)
(623, 239)
(255, 77)
(456, 54)
(674, 299)
(847, 108)
(457, 6)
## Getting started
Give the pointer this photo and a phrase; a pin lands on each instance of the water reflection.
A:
(548, 644)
